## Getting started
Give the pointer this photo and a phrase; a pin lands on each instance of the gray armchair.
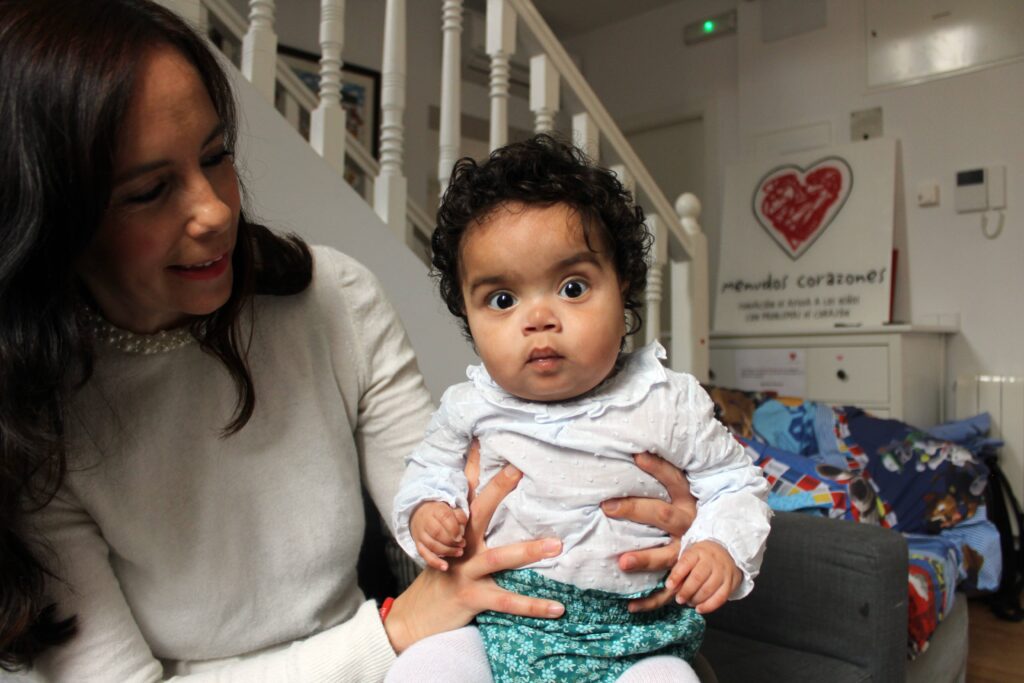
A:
(830, 605)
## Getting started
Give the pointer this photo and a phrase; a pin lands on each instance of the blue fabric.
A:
(789, 427)
(971, 432)
(792, 502)
(595, 641)
(930, 485)
(982, 555)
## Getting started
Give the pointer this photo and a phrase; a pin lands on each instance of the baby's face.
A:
(544, 309)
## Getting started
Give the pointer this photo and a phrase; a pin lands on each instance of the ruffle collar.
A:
(638, 373)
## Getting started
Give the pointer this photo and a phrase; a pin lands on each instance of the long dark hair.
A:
(67, 72)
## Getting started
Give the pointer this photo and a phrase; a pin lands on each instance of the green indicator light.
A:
(709, 26)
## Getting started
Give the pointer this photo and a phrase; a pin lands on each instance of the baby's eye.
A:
(574, 289)
(501, 300)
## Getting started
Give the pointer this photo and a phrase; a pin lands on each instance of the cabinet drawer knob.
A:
(841, 374)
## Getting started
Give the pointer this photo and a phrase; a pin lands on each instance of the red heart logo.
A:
(795, 205)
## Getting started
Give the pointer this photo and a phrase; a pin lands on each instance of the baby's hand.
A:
(710, 576)
(437, 529)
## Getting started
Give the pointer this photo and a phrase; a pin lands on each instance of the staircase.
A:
(379, 225)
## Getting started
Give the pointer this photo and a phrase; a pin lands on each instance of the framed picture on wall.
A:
(360, 93)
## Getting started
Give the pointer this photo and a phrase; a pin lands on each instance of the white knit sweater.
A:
(234, 559)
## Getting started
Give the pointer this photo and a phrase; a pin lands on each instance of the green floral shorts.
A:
(596, 639)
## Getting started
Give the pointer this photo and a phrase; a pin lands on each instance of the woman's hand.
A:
(674, 518)
(440, 601)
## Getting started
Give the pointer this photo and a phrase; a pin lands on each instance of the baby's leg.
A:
(454, 657)
(660, 669)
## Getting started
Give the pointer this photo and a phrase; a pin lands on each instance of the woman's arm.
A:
(110, 645)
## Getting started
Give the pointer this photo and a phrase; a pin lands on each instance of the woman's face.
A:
(162, 252)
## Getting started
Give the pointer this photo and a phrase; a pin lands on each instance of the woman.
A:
(157, 517)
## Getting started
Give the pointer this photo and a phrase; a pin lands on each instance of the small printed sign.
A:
(783, 371)
(807, 241)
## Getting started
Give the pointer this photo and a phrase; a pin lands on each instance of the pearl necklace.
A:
(130, 342)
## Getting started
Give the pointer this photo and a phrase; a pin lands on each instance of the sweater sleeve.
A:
(434, 470)
(730, 489)
(110, 646)
(393, 404)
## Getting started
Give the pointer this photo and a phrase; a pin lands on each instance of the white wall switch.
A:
(928, 193)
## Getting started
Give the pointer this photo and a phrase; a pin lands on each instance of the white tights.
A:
(459, 657)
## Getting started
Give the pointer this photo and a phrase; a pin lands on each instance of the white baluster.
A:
(657, 259)
(327, 121)
(625, 177)
(191, 11)
(691, 320)
(586, 136)
(544, 84)
(259, 48)
(391, 189)
(501, 44)
(451, 90)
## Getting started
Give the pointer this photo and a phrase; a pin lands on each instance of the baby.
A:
(542, 256)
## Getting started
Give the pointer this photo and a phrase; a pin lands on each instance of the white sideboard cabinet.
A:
(895, 371)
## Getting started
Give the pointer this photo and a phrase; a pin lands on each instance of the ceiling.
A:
(573, 17)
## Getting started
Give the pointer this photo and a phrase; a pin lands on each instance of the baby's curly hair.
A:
(541, 171)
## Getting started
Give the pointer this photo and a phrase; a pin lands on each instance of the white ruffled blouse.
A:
(575, 454)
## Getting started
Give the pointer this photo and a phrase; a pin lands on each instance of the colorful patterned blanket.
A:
(844, 463)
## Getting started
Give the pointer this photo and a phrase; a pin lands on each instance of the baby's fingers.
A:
(710, 587)
(698, 575)
(453, 527)
(441, 548)
(717, 599)
(652, 601)
(444, 530)
(430, 558)
(682, 568)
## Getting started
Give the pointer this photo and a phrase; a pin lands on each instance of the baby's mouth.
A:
(543, 357)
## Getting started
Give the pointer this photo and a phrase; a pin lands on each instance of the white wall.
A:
(645, 76)
(951, 124)
(748, 88)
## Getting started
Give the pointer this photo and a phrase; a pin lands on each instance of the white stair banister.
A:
(451, 90)
(658, 258)
(390, 192)
(544, 91)
(259, 48)
(691, 321)
(586, 136)
(501, 44)
(327, 121)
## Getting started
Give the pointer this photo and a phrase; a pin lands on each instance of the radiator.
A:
(1003, 399)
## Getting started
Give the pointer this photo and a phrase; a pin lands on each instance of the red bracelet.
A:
(385, 609)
